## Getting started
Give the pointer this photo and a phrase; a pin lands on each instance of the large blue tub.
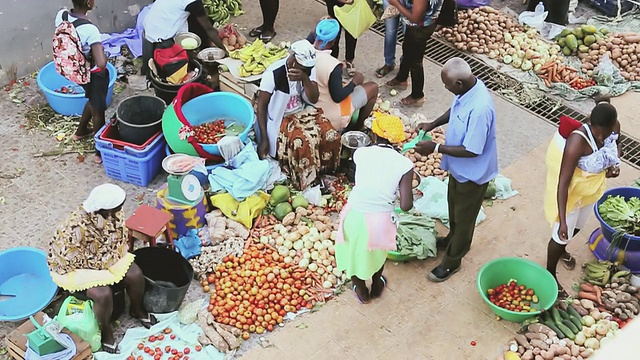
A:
(68, 104)
(630, 242)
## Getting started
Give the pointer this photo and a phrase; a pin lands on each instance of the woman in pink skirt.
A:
(368, 223)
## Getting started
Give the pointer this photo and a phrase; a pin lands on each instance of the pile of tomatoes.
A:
(514, 297)
(255, 291)
(582, 83)
(158, 353)
(66, 90)
(209, 133)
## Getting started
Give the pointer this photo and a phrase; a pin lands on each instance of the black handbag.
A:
(448, 14)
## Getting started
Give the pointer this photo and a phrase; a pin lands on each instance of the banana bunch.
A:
(601, 272)
(220, 11)
(257, 57)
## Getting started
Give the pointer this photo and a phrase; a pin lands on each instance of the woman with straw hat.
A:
(368, 223)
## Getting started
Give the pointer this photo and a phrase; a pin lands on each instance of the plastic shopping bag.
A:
(77, 316)
(356, 18)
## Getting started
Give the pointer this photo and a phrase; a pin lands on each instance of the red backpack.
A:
(68, 57)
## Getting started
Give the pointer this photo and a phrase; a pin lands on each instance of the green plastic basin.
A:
(499, 271)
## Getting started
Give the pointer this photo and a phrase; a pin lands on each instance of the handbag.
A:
(448, 14)
(355, 18)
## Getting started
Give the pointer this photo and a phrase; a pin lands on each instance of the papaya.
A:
(565, 32)
(571, 42)
(583, 49)
(566, 51)
(279, 194)
(562, 42)
(589, 39)
(578, 33)
(299, 201)
(281, 210)
(589, 29)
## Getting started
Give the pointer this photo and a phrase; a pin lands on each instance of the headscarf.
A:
(304, 53)
(104, 197)
(327, 31)
(388, 127)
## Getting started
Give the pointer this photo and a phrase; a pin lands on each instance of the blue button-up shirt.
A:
(472, 125)
(430, 16)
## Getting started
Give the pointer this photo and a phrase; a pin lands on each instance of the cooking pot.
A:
(351, 141)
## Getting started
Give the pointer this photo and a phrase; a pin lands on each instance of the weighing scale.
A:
(183, 187)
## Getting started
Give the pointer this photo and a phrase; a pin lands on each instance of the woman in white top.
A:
(368, 223)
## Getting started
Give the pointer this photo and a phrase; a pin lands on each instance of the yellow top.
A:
(585, 188)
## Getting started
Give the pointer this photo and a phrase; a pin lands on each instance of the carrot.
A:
(258, 222)
(598, 294)
(248, 242)
(273, 219)
(548, 65)
(587, 287)
(588, 296)
(574, 80)
(547, 83)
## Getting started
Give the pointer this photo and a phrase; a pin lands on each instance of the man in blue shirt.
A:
(470, 156)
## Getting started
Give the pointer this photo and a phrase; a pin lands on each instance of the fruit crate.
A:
(108, 137)
(610, 7)
(136, 167)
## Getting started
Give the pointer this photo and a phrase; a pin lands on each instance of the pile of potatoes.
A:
(426, 165)
(480, 30)
(622, 48)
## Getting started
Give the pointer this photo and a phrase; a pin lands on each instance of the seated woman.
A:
(305, 143)
(90, 252)
(338, 102)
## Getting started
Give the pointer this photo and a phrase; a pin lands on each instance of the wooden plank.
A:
(17, 341)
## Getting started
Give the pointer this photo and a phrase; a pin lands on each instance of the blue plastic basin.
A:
(630, 242)
(68, 104)
(26, 286)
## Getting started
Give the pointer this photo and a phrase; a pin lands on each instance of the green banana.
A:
(620, 274)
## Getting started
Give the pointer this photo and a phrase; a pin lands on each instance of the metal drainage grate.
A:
(548, 109)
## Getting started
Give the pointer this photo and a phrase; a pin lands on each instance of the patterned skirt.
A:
(308, 147)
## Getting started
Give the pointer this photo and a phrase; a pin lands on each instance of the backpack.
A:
(171, 61)
(68, 57)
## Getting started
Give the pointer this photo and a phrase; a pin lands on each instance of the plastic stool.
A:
(147, 223)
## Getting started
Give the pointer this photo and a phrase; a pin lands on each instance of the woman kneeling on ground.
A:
(90, 252)
(303, 141)
(576, 171)
(339, 102)
(368, 224)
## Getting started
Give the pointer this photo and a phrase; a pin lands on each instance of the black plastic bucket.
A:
(167, 276)
(168, 92)
(139, 117)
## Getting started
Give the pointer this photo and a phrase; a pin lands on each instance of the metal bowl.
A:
(355, 139)
(167, 164)
(211, 54)
(188, 35)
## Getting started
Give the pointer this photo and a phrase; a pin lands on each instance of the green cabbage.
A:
(621, 214)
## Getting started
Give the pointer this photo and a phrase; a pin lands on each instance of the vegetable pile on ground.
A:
(427, 165)
(416, 236)
(514, 297)
(556, 71)
(338, 189)
(222, 337)
(164, 345)
(231, 38)
(220, 11)
(579, 39)
(621, 214)
(618, 297)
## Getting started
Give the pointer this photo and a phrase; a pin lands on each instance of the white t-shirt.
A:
(88, 33)
(281, 103)
(379, 170)
(166, 19)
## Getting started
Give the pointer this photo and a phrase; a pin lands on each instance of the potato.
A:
(232, 40)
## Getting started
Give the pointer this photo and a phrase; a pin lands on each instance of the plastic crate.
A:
(109, 133)
(103, 145)
(610, 7)
(137, 170)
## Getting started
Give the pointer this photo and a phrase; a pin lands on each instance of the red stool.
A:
(147, 223)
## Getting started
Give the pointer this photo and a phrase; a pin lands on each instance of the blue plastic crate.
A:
(120, 165)
(103, 145)
(610, 7)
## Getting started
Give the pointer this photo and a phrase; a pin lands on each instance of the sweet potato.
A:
(541, 328)
(539, 344)
(522, 341)
(539, 336)
(228, 337)
(528, 355)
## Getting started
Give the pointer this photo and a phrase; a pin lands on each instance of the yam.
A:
(522, 341)
(228, 337)
(539, 357)
(528, 355)
(632, 39)
(539, 344)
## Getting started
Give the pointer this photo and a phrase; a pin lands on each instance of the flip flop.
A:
(351, 70)
(399, 86)
(417, 103)
(75, 137)
(384, 282)
(384, 70)
(267, 38)
(256, 31)
(353, 287)
(147, 322)
(568, 262)
(110, 348)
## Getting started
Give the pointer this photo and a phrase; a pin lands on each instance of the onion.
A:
(313, 267)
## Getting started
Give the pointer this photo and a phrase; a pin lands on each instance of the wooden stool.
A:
(147, 223)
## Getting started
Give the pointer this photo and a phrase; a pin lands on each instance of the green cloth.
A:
(353, 256)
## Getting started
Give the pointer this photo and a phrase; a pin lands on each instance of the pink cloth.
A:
(381, 227)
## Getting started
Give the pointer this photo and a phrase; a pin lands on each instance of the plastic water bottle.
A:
(539, 8)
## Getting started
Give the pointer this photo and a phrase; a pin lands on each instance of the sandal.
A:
(75, 137)
(395, 84)
(353, 287)
(384, 285)
(147, 322)
(97, 158)
(256, 31)
(266, 37)
(351, 70)
(385, 70)
(409, 101)
(568, 261)
(110, 348)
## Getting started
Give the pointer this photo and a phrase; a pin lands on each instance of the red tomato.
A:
(140, 346)
(152, 338)
(160, 337)
(186, 350)
(173, 336)
(198, 348)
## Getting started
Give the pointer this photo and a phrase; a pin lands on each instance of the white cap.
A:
(304, 53)
(104, 197)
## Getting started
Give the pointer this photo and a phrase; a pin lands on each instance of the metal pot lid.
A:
(355, 139)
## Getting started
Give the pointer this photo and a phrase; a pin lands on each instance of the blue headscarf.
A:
(327, 31)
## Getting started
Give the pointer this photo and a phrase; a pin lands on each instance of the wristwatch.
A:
(436, 149)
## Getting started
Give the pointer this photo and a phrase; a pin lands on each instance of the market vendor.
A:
(339, 102)
(579, 159)
(168, 18)
(89, 252)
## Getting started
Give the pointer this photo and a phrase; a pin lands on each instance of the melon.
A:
(299, 201)
(279, 194)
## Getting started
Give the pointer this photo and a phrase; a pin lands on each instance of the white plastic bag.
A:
(535, 19)
(313, 195)
(606, 74)
(550, 30)
(434, 201)
(188, 314)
